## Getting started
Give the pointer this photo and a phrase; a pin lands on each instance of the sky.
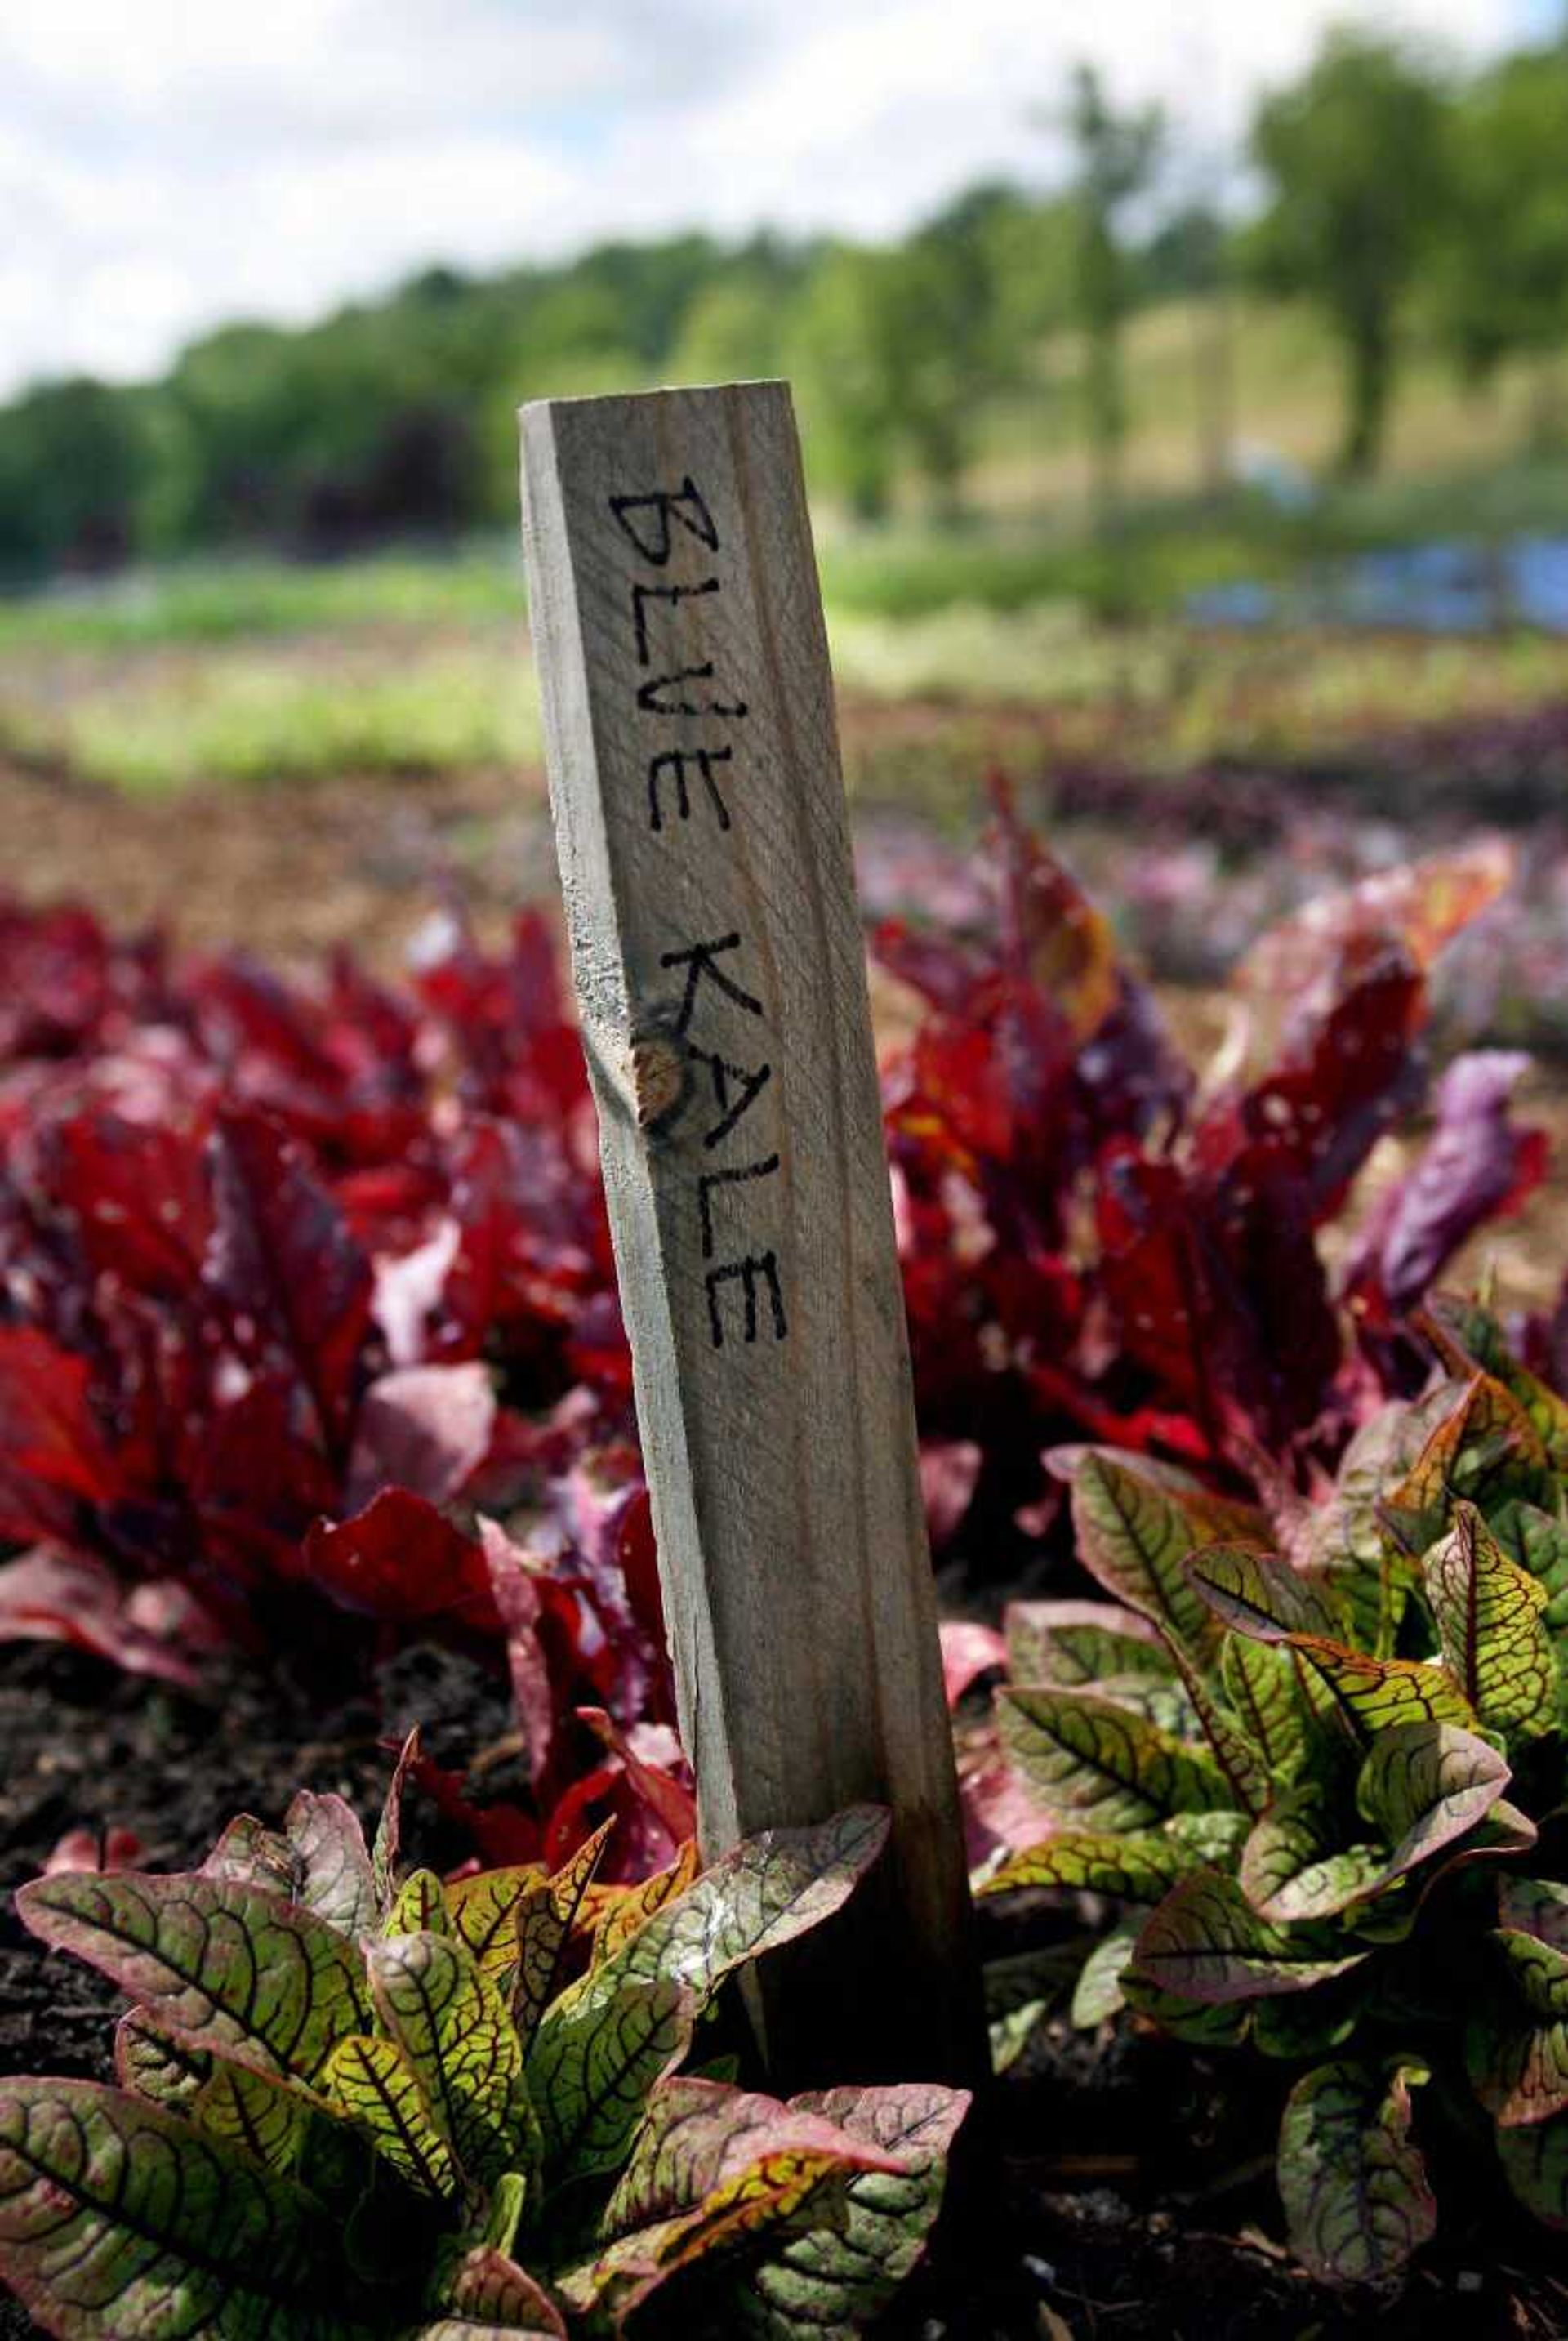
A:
(167, 165)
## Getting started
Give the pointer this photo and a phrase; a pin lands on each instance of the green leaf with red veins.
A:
(1256, 1594)
(776, 1886)
(1263, 1687)
(833, 2280)
(632, 1908)
(386, 1844)
(1495, 1641)
(1535, 2161)
(336, 1879)
(1205, 1942)
(1485, 1451)
(712, 2170)
(1539, 1543)
(591, 2064)
(318, 1858)
(1100, 1991)
(458, 2042)
(480, 2291)
(371, 2082)
(231, 2101)
(120, 2220)
(1381, 1694)
(1425, 1785)
(546, 1915)
(1085, 1756)
(1535, 1906)
(1472, 1337)
(1070, 1643)
(1516, 2044)
(420, 1907)
(625, 2023)
(221, 1966)
(484, 1911)
(1135, 1867)
(1202, 2024)
(1352, 2181)
(1294, 1865)
(1135, 1532)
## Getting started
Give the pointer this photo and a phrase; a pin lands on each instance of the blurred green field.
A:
(416, 662)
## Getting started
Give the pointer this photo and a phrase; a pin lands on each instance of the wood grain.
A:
(719, 969)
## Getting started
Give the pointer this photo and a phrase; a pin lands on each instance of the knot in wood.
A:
(658, 1078)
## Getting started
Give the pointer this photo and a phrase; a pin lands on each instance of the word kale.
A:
(353, 2102)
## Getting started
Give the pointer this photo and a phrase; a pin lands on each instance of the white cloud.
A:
(170, 164)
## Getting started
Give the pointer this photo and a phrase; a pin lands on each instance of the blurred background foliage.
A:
(1225, 347)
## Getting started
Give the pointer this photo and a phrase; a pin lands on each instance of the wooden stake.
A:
(720, 967)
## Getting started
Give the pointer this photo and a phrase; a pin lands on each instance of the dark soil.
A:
(1124, 2192)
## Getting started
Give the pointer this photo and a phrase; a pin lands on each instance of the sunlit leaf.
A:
(371, 2081)
(1487, 1611)
(457, 2037)
(1071, 1643)
(118, 2219)
(1135, 1531)
(1085, 1755)
(223, 1966)
(1380, 1694)
(226, 2099)
(1136, 1867)
(420, 1907)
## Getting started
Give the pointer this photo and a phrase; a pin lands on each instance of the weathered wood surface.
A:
(720, 976)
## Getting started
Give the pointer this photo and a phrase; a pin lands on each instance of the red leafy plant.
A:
(1100, 1242)
(352, 2101)
(1312, 1763)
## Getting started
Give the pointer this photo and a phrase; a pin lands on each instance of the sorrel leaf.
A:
(1110, 1769)
(1137, 1867)
(458, 2040)
(112, 2210)
(1495, 1642)
(1205, 1943)
(221, 1965)
(1353, 2181)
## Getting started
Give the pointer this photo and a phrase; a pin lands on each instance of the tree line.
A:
(1386, 190)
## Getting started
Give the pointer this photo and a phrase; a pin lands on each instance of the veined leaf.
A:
(1535, 1906)
(1296, 1866)
(1263, 1684)
(1380, 1694)
(419, 1907)
(776, 1886)
(318, 1858)
(458, 2039)
(119, 2219)
(1307, 2024)
(1352, 2182)
(1204, 1942)
(230, 2101)
(1203, 2024)
(372, 2082)
(1075, 1642)
(1084, 1755)
(484, 1912)
(1487, 1611)
(1539, 1543)
(605, 2041)
(1135, 1530)
(1425, 1785)
(592, 2065)
(1136, 1867)
(636, 1904)
(1485, 1451)
(546, 1916)
(480, 2291)
(1256, 1594)
(221, 1965)
(1470, 1336)
(1516, 2046)
(386, 1844)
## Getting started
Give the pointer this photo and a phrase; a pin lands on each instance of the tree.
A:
(1115, 156)
(1356, 162)
(74, 462)
(1503, 273)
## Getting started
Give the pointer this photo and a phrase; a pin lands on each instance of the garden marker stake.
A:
(720, 967)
